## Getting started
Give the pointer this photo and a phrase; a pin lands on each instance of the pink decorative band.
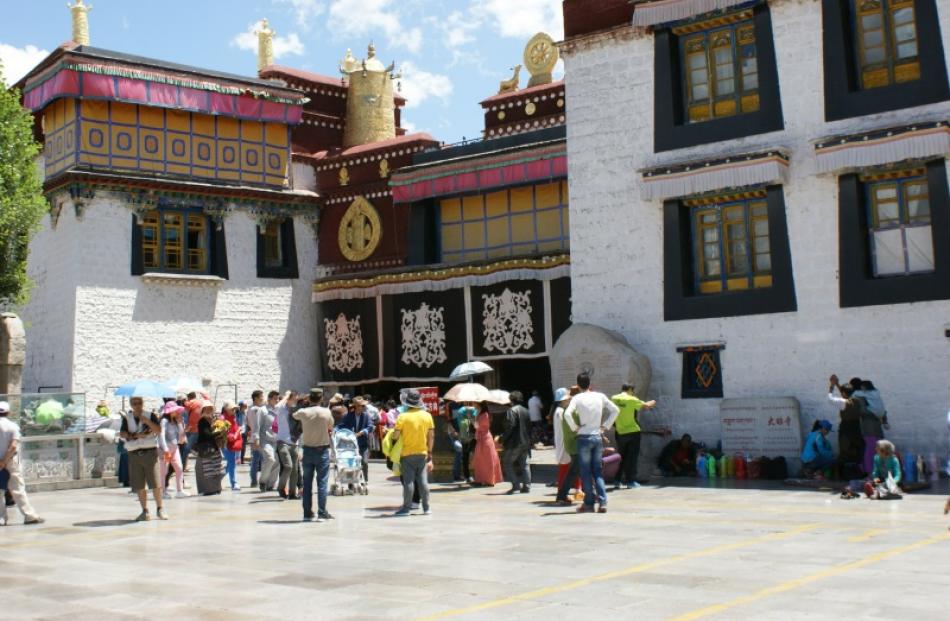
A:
(91, 85)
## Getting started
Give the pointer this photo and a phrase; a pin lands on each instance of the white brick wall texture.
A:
(91, 325)
(617, 249)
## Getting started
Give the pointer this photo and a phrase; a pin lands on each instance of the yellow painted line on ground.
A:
(790, 585)
(868, 534)
(620, 573)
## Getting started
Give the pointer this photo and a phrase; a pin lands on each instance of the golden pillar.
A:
(80, 22)
(370, 109)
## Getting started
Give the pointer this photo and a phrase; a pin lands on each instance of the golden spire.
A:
(370, 109)
(80, 22)
(265, 45)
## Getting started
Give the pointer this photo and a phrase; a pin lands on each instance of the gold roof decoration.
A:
(540, 58)
(80, 21)
(370, 108)
(265, 45)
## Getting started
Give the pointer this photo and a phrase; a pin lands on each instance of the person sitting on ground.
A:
(886, 465)
(678, 458)
(817, 453)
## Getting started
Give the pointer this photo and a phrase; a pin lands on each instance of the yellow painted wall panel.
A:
(228, 127)
(124, 162)
(151, 117)
(123, 113)
(522, 227)
(276, 134)
(547, 195)
(96, 110)
(203, 152)
(252, 130)
(202, 124)
(275, 162)
(229, 154)
(474, 234)
(522, 199)
(151, 144)
(229, 175)
(252, 160)
(549, 224)
(473, 208)
(94, 160)
(178, 120)
(124, 141)
(178, 169)
(496, 203)
(498, 233)
(451, 210)
(95, 137)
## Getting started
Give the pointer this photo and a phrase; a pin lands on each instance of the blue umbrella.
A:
(144, 388)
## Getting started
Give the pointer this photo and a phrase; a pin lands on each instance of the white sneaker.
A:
(3, 521)
(166, 496)
(415, 505)
(236, 488)
(181, 495)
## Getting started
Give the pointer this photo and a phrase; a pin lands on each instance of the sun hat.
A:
(336, 398)
(561, 394)
(4, 407)
(172, 408)
(411, 397)
(228, 405)
(206, 404)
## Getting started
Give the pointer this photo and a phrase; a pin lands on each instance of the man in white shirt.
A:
(10, 469)
(591, 407)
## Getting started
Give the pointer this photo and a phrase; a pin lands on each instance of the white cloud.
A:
(409, 126)
(522, 19)
(283, 46)
(457, 28)
(368, 18)
(419, 85)
(305, 11)
(17, 62)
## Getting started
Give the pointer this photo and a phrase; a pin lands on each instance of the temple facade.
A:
(433, 254)
(759, 199)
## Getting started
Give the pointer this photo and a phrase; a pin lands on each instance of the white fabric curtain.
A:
(888, 253)
(916, 145)
(920, 249)
(735, 175)
(662, 11)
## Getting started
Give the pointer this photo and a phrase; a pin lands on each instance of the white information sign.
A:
(765, 426)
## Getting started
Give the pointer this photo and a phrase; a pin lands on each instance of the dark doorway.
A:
(526, 375)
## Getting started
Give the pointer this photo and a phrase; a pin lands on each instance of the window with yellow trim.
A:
(513, 222)
(720, 70)
(886, 42)
(273, 253)
(731, 249)
(175, 241)
(900, 227)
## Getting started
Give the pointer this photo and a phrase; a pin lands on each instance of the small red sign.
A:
(430, 397)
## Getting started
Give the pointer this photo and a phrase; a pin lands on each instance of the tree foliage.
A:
(22, 203)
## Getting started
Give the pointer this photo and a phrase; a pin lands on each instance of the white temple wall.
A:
(257, 333)
(617, 249)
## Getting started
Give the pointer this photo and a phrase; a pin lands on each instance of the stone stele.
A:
(12, 353)
(605, 355)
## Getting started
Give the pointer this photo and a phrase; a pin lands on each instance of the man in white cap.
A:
(10, 476)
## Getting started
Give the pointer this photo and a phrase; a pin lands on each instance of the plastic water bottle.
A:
(701, 466)
(723, 466)
(711, 467)
(739, 465)
(921, 469)
(910, 468)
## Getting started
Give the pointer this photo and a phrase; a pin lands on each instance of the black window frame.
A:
(857, 285)
(288, 252)
(844, 97)
(671, 127)
(217, 253)
(681, 297)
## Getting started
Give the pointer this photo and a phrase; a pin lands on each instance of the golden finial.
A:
(80, 21)
(265, 45)
(349, 64)
(371, 51)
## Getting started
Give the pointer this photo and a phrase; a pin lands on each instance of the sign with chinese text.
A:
(430, 398)
(766, 426)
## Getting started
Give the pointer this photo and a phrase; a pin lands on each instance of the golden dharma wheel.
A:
(360, 230)
(540, 55)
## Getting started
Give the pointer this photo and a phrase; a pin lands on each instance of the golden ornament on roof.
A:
(360, 230)
(80, 21)
(344, 176)
(540, 58)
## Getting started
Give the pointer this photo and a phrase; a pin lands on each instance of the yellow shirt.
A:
(629, 406)
(413, 427)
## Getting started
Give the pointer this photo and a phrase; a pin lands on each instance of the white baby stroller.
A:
(347, 464)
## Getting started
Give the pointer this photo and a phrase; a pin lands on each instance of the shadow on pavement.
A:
(280, 521)
(101, 523)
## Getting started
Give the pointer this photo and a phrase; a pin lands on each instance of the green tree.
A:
(22, 203)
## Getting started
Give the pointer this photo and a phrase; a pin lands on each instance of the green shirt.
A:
(627, 419)
(569, 435)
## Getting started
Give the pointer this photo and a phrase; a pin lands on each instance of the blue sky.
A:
(452, 53)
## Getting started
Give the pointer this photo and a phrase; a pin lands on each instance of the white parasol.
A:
(468, 391)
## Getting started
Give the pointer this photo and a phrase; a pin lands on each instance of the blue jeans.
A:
(231, 461)
(590, 453)
(316, 460)
(255, 466)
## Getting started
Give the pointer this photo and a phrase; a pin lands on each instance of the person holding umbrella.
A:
(140, 431)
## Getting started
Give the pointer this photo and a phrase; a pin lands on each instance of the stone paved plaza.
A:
(661, 552)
